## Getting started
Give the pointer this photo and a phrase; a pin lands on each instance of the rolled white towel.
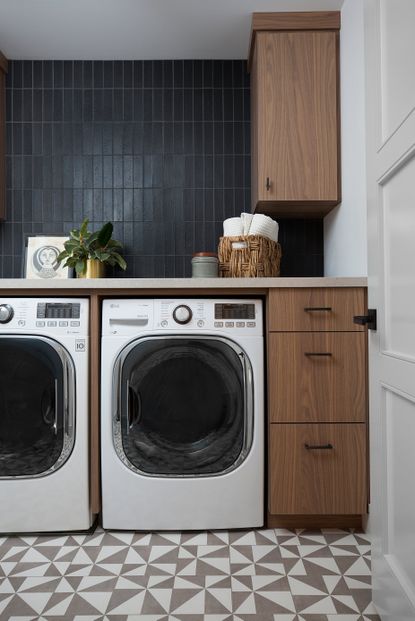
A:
(265, 226)
(232, 227)
(246, 219)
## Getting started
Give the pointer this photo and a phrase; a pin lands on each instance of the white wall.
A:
(345, 231)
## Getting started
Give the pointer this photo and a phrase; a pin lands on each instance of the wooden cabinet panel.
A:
(291, 310)
(317, 481)
(295, 114)
(317, 377)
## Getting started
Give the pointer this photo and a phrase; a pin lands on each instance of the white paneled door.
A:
(390, 101)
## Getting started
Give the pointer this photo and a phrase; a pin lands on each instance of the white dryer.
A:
(182, 414)
(44, 448)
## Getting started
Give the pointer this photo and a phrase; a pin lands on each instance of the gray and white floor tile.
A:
(255, 575)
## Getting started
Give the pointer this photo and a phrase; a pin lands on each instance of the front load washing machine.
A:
(182, 414)
(44, 452)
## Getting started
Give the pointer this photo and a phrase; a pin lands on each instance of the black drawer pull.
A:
(315, 447)
(312, 309)
(317, 353)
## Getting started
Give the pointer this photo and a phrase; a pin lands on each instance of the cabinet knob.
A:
(268, 184)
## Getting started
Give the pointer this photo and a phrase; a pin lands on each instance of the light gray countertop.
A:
(21, 284)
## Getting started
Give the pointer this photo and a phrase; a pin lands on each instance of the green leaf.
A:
(80, 266)
(104, 235)
(84, 228)
(119, 260)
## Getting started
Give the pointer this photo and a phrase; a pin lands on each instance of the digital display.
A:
(234, 311)
(58, 310)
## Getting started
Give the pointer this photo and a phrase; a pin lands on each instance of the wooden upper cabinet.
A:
(3, 71)
(295, 113)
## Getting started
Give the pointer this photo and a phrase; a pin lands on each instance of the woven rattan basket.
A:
(248, 256)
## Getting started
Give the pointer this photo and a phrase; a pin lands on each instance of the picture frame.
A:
(39, 261)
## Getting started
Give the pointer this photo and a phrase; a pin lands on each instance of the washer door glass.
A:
(182, 406)
(32, 386)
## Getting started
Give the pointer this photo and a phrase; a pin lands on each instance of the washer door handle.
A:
(133, 407)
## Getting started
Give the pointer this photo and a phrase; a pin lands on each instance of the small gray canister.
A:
(205, 265)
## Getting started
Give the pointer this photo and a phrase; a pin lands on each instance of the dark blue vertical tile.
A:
(47, 74)
(68, 105)
(27, 74)
(178, 74)
(197, 73)
(128, 73)
(188, 73)
(178, 105)
(68, 74)
(147, 74)
(37, 74)
(78, 74)
(77, 103)
(157, 74)
(207, 73)
(98, 74)
(118, 114)
(138, 77)
(17, 103)
(118, 68)
(87, 74)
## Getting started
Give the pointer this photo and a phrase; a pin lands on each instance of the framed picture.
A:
(40, 258)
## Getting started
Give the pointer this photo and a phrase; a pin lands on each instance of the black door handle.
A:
(315, 447)
(268, 184)
(369, 320)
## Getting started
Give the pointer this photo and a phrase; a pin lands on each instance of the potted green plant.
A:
(88, 253)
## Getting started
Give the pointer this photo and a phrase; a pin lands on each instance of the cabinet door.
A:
(315, 309)
(296, 112)
(317, 377)
(305, 480)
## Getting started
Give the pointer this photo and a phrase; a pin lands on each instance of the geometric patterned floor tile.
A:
(251, 575)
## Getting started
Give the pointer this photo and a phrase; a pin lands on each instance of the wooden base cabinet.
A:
(317, 408)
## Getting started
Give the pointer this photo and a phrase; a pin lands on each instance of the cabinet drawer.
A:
(292, 310)
(317, 480)
(317, 377)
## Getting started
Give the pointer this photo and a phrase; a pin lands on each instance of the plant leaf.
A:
(119, 260)
(84, 228)
(80, 266)
(104, 235)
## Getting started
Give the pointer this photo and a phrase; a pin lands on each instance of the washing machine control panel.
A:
(45, 316)
(230, 316)
(137, 316)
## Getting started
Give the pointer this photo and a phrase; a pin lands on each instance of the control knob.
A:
(6, 313)
(182, 314)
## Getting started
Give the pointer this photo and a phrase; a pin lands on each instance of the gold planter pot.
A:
(94, 269)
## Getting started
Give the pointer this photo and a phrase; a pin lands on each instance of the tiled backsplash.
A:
(161, 148)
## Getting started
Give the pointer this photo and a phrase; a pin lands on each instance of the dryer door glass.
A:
(182, 406)
(32, 386)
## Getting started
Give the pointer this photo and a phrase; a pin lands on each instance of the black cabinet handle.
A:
(268, 184)
(312, 309)
(368, 320)
(317, 353)
(317, 447)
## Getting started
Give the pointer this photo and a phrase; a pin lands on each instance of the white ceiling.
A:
(135, 29)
